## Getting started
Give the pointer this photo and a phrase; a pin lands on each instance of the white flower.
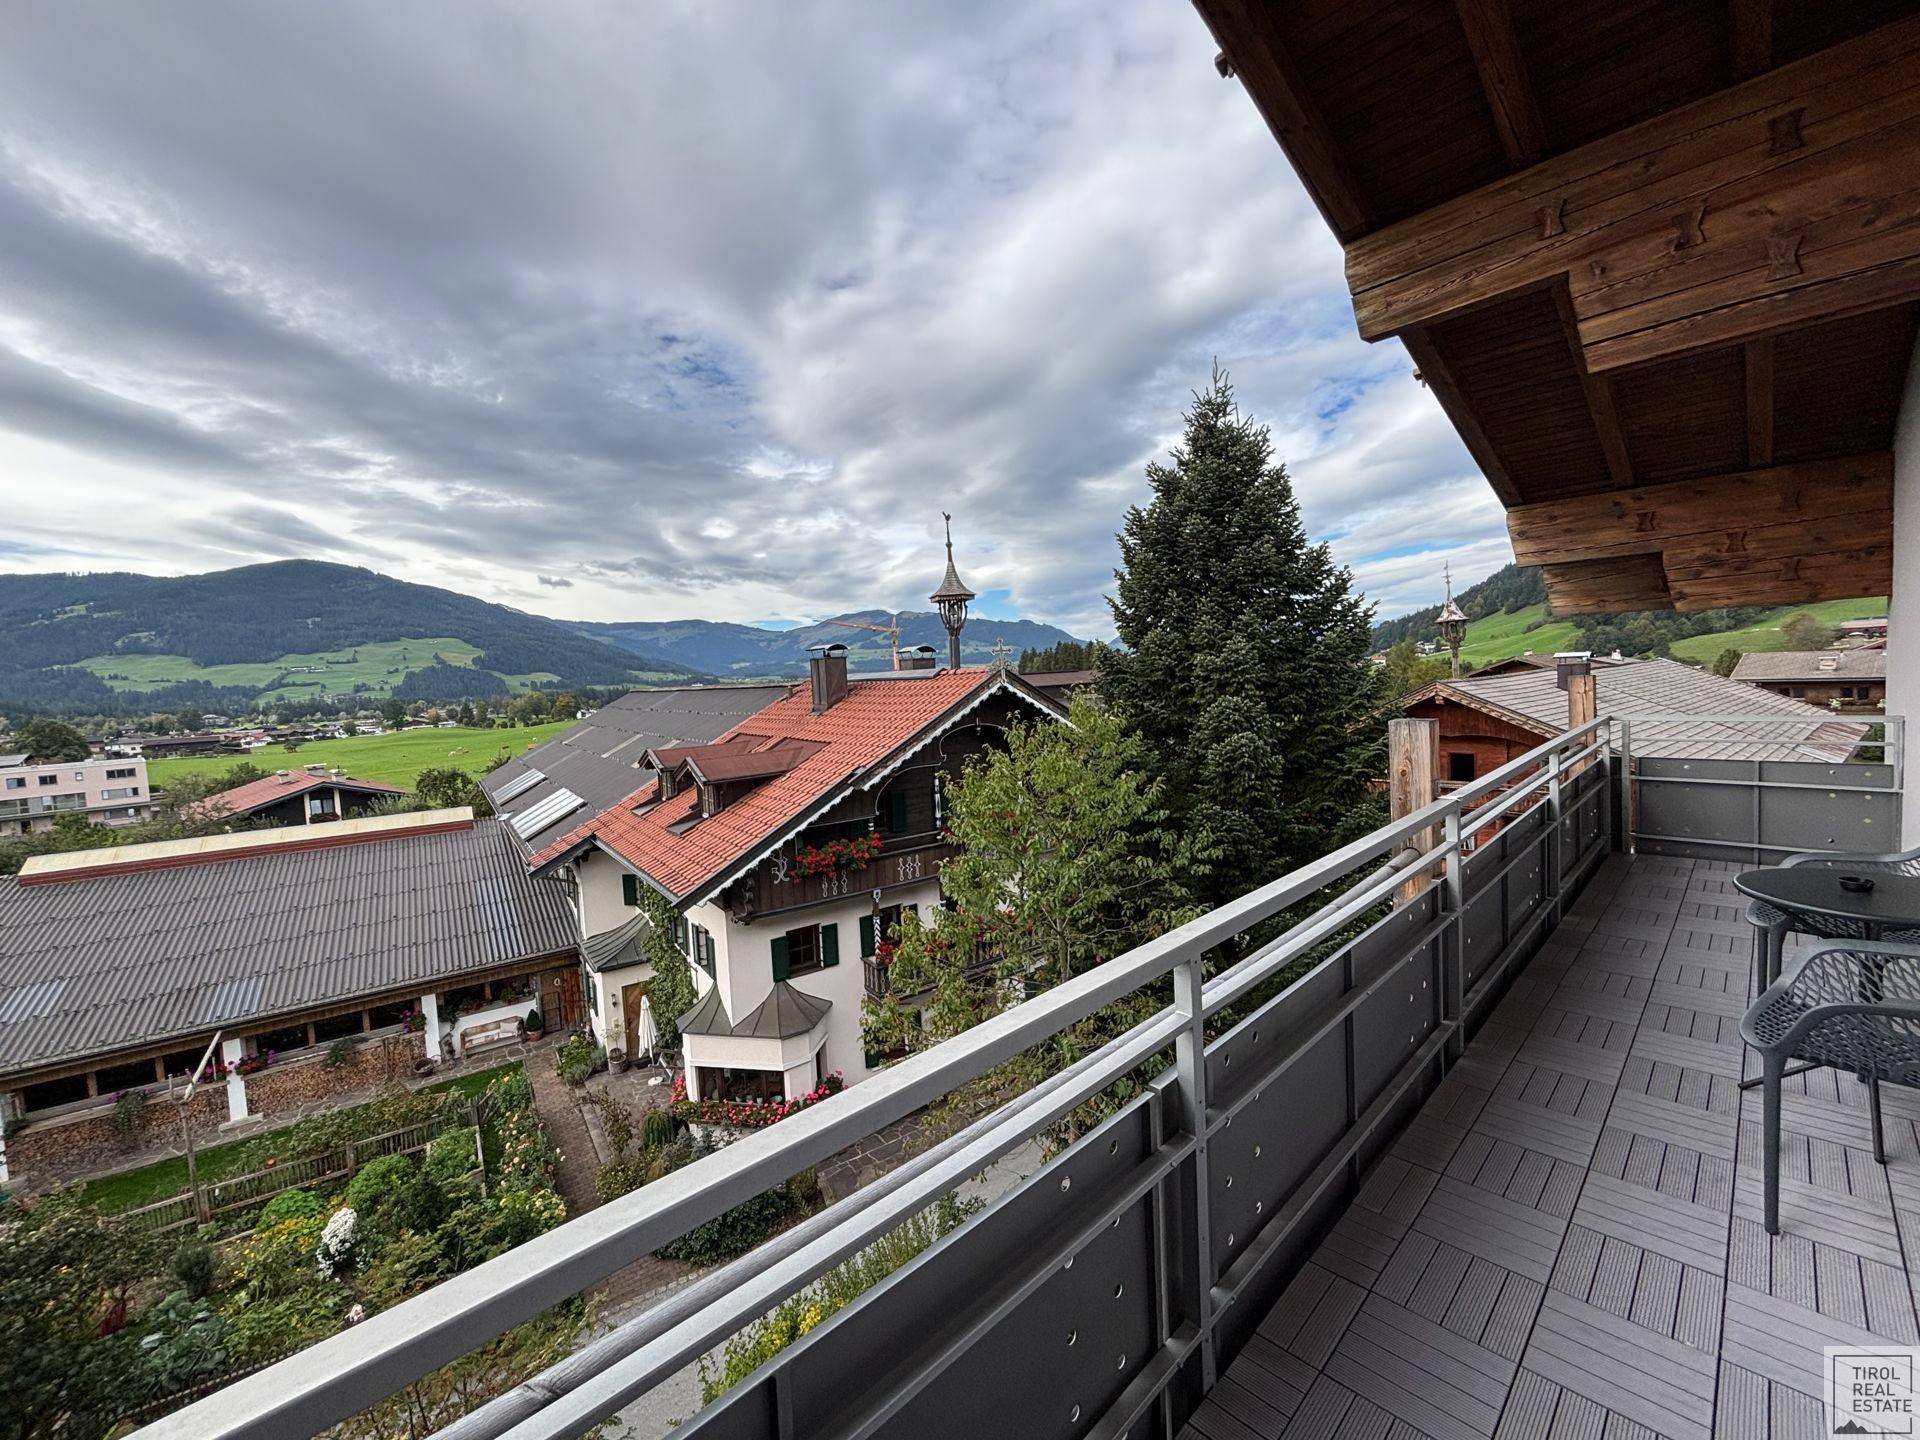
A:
(337, 1241)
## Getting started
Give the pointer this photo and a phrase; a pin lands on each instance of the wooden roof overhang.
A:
(1659, 260)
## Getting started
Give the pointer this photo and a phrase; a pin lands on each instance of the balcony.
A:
(1481, 1167)
(778, 885)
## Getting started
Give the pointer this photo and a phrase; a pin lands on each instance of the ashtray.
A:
(1858, 884)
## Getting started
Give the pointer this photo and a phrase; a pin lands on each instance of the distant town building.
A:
(107, 790)
(1874, 629)
(1853, 681)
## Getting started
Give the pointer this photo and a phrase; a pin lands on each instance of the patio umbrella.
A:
(646, 1034)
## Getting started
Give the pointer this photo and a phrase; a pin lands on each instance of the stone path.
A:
(647, 1277)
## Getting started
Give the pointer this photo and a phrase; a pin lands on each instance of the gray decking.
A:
(1567, 1240)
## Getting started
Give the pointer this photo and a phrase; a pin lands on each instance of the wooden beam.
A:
(1759, 379)
(1750, 30)
(1598, 587)
(1257, 52)
(1433, 370)
(1601, 404)
(1496, 55)
(1801, 580)
(1784, 199)
(1654, 518)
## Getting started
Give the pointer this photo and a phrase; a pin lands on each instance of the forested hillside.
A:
(288, 628)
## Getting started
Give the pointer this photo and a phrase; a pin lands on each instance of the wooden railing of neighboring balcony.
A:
(777, 884)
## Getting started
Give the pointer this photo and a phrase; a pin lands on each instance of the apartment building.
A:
(108, 790)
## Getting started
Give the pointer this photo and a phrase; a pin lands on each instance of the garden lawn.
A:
(1765, 634)
(396, 759)
(164, 1178)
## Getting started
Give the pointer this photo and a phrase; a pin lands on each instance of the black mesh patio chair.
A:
(1771, 923)
(1853, 1007)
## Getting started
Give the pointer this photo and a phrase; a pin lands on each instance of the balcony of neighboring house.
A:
(811, 871)
(1478, 1165)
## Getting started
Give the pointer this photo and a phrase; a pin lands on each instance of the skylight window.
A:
(518, 786)
(544, 812)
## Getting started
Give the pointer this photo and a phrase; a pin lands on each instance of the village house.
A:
(108, 790)
(1851, 681)
(308, 796)
(787, 849)
(413, 937)
(1488, 719)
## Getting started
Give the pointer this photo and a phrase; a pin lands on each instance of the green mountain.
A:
(1508, 615)
(746, 651)
(301, 629)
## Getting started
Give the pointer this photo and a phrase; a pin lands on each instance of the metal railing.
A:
(1108, 1289)
(1754, 787)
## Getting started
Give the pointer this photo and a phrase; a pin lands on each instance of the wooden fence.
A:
(336, 1163)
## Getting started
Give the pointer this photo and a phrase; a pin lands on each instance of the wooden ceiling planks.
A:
(1684, 417)
(1512, 363)
(1837, 384)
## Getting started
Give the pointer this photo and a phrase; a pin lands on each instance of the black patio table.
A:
(1892, 904)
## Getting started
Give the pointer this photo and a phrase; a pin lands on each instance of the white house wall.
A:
(843, 986)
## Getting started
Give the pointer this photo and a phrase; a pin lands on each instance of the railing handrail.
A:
(344, 1373)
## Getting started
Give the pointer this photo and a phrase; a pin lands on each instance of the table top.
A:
(1893, 901)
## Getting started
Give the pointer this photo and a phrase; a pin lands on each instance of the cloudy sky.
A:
(646, 311)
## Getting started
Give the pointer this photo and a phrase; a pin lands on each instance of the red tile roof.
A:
(877, 718)
(244, 799)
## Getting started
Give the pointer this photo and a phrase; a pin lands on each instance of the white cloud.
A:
(676, 310)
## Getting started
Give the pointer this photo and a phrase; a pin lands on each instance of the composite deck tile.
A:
(1565, 1241)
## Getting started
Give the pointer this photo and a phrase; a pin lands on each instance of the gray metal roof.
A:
(1670, 689)
(625, 944)
(784, 1013)
(597, 758)
(97, 964)
(1812, 665)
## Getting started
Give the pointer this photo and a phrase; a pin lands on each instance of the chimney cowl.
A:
(827, 669)
(1568, 663)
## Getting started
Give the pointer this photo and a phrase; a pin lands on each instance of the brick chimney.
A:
(827, 667)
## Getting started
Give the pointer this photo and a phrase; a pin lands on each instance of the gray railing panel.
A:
(1757, 811)
(1033, 1316)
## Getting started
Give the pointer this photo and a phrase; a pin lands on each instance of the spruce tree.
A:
(1243, 660)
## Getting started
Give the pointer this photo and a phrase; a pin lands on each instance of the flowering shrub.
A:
(748, 1114)
(835, 855)
(338, 1241)
(519, 1155)
(278, 1258)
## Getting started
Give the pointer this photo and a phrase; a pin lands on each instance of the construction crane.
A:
(890, 630)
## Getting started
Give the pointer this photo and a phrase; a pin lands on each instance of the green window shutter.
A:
(630, 889)
(867, 926)
(897, 812)
(829, 945)
(780, 971)
(706, 938)
(680, 934)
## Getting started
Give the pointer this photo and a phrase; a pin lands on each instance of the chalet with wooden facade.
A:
(1854, 681)
(786, 848)
(1487, 720)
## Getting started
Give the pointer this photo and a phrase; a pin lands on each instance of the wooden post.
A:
(1413, 783)
(1582, 706)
